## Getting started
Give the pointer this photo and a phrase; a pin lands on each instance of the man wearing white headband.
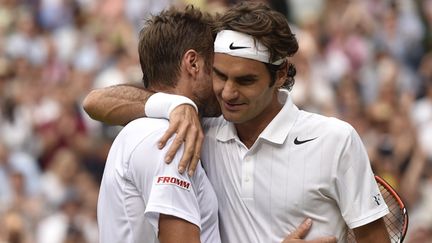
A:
(271, 164)
(242, 45)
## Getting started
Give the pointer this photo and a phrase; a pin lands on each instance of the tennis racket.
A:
(396, 220)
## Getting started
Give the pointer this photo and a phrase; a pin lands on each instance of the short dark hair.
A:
(266, 26)
(167, 36)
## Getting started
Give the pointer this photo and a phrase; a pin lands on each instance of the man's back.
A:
(137, 186)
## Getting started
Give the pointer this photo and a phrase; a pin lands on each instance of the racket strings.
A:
(394, 220)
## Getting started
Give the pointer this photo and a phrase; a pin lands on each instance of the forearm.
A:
(116, 105)
(176, 230)
(374, 232)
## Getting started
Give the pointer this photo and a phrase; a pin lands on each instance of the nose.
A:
(230, 91)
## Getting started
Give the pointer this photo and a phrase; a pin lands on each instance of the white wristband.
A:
(160, 105)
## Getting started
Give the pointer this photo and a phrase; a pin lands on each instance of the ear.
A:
(281, 75)
(191, 62)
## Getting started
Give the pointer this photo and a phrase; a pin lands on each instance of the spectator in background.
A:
(66, 55)
(64, 224)
(422, 107)
(14, 228)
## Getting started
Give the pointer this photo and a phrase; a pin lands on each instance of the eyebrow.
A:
(219, 73)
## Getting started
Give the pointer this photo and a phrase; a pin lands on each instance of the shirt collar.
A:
(227, 132)
(276, 131)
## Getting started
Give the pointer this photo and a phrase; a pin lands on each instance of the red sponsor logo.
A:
(173, 181)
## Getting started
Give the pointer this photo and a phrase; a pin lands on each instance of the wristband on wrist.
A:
(160, 105)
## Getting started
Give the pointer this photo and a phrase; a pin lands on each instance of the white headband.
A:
(242, 45)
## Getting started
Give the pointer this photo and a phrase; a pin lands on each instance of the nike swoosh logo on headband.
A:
(232, 47)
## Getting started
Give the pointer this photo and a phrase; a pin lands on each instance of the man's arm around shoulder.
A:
(116, 105)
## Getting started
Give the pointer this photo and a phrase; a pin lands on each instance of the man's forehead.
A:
(223, 58)
(238, 66)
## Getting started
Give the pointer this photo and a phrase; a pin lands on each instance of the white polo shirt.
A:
(302, 165)
(137, 186)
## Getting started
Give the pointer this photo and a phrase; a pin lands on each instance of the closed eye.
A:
(246, 80)
(241, 80)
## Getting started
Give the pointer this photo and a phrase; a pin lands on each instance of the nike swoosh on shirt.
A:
(297, 142)
(232, 47)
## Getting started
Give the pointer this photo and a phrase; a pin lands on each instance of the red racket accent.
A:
(396, 220)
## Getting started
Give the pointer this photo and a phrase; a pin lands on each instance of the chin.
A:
(231, 118)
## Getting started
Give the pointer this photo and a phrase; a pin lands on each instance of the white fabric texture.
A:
(266, 191)
(138, 185)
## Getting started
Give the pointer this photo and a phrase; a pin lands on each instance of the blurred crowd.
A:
(368, 62)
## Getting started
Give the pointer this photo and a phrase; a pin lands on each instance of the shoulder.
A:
(143, 132)
(324, 124)
(333, 131)
(213, 123)
(142, 128)
(146, 125)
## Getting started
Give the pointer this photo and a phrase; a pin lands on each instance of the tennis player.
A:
(141, 198)
(271, 164)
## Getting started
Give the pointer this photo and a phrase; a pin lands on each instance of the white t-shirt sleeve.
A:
(359, 198)
(172, 194)
(164, 190)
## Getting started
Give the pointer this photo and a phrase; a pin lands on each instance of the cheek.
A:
(261, 99)
(217, 86)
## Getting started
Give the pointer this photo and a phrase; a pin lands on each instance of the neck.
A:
(180, 88)
(249, 131)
